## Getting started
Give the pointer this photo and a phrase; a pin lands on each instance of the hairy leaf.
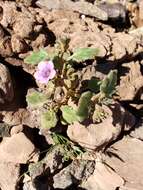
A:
(107, 87)
(69, 114)
(84, 105)
(83, 54)
(36, 57)
(94, 85)
(36, 99)
(48, 119)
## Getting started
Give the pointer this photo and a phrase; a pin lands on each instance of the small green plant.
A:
(58, 71)
(68, 149)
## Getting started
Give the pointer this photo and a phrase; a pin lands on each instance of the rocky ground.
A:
(114, 147)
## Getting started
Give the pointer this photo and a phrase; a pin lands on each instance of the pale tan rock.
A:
(16, 129)
(6, 85)
(18, 44)
(131, 82)
(9, 174)
(103, 178)
(97, 136)
(5, 47)
(123, 45)
(9, 13)
(128, 162)
(17, 149)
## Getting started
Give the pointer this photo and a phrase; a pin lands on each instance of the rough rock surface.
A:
(95, 136)
(131, 81)
(138, 131)
(6, 85)
(9, 174)
(76, 172)
(127, 161)
(103, 178)
(17, 149)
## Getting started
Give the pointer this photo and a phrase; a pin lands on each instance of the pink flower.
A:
(45, 72)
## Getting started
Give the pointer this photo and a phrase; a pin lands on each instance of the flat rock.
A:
(97, 136)
(103, 178)
(17, 149)
(9, 174)
(127, 161)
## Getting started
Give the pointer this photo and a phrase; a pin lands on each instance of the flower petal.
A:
(52, 74)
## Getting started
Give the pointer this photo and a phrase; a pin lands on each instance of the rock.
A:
(25, 2)
(131, 83)
(9, 13)
(82, 7)
(23, 26)
(17, 149)
(138, 131)
(97, 136)
(1, 32)
(115, 11)
(40, 42)
(14, 117)
(9, 175)
(6, 85)
(103, 178)
(77, 171)
(18, 44)
(123, 45)
(5, 48)
(52, 162)
(16, 129)
(126, 160)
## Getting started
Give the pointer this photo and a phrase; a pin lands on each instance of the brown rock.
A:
(128, 162)
(25, 2)
(97, 136)
(9, 174)
(1, 32)
(23, 26)
(40, 42)
(5, 47)
(17, 149)
(6, 85)
(123, 45)
(130, 83)
(14, 118)
(16, 129)
(103, 178)
(18, 44)
(9, 13)
(75, 173)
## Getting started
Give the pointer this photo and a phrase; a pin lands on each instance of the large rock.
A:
(103, 178)
(130, 81)
(97, 136)
(17, 149)
(6, 85)
(9, 174)
(126, 159)
(76, 172)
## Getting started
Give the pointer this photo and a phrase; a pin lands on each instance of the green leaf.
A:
(36, 99)
(69, 114)
(94, 85)
(49, 119)
(84, 105)
(36, 57)
(83, 54)
(107, 87)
